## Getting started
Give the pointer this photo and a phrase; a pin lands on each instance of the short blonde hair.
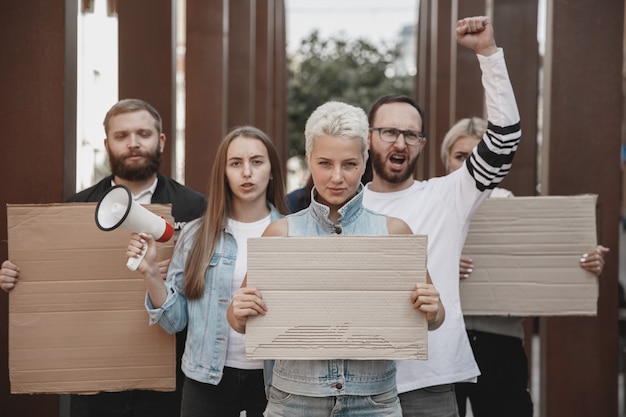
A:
(335, 118)
(469, 127)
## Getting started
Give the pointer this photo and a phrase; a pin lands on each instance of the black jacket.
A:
(187, 204)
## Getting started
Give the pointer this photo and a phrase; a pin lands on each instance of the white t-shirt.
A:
(433, 208)
(442, 208)
(236, 351)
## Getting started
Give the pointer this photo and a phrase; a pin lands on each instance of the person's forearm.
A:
(499, 144)
(156, 289)
(500, 100)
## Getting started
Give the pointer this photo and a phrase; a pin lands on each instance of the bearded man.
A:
(134, 143)
(442, 209)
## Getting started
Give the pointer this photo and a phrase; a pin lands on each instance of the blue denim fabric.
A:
(282, 404)
(205, 318)
(336, 378)
(355, 219)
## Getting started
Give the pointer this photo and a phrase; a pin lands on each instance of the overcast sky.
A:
(375, 20)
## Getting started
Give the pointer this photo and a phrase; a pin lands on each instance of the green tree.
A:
(353, 71)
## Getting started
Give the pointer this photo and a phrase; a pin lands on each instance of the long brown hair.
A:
(219, 207)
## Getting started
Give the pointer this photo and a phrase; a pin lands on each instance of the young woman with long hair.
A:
(246, 193)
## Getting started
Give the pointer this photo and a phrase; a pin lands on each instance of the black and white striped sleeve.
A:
(491, 160)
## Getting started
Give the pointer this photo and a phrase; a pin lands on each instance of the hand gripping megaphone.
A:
(117, 208)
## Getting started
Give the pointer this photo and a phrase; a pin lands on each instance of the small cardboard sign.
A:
(337, 297)
(526, 253)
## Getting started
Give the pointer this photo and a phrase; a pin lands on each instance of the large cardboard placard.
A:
(339, 297)
(77, 322)
(526, 252)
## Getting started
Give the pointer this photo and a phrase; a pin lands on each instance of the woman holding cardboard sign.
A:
(336, 147)
(496, 341)
(246, 193)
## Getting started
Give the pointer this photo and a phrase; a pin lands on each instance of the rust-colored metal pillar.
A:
(241, 63)
(147, 61)
(468, 95)
(235, 75)
(438, 111)
(270, 72)
(39, 124)
(581, 141)
(206, 75)
(434, 80)
(515, 26)
(264, 65)
(279, 80)
(422, 78)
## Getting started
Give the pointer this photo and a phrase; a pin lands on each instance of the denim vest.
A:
(322, 378)
(205, 317)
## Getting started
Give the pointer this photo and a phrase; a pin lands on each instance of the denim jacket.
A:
(205, 317)
(321, 378)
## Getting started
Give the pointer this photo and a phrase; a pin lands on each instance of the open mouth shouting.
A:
(398, 161)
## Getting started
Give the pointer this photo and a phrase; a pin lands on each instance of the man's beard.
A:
(135, 171)
(378, 165)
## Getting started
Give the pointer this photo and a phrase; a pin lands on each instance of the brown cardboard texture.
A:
(337, 297)
(526, 253)
(77, 322)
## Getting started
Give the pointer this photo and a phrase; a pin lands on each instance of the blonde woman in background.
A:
(497, 342)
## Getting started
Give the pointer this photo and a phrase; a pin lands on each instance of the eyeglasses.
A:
(390, 135)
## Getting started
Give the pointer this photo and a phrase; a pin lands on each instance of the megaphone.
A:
(117, 208)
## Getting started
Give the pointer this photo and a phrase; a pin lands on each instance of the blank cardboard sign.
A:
(337, 297)
(77, 322)
(526, 253)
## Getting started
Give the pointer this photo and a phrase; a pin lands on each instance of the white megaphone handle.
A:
(133, 263)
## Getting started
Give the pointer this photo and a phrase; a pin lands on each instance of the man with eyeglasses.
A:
(442, 209)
